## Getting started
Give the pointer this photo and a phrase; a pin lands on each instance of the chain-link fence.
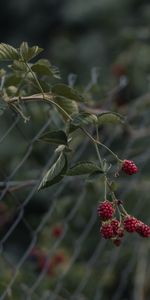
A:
(50, 243)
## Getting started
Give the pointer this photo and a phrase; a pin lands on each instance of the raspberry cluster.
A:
(129, 167)
(113, 229)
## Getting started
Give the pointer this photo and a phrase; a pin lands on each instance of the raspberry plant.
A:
(23, 82)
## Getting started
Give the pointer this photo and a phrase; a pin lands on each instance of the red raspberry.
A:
(115, 225)
(129, 167)
(117, 242)
(143, 229)
(120, 232)
(105, 210)
(130, 224)
(106, 231)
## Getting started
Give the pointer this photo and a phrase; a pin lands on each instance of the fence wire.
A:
(107, 272)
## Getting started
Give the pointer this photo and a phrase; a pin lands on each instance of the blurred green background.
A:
(103, 49)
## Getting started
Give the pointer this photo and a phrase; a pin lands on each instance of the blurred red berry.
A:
(117, 242)
(118, 70)
(129, 167)
(105, 210)
(57, 231)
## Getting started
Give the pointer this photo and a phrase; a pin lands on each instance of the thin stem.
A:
(97, 150)
(105, 187)
(34, 76)
(101, 144)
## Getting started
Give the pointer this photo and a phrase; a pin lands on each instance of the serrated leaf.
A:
(83, 119)
(68, 105)
(54, 137)
(43, 68)
(29, 52)
(67, 92)
(3, 106)
(82, 168)
(55, 173)
(8, 52)
(110, 117)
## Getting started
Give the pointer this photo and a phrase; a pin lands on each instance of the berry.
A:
(120, 232)
(106, 231)
(143, 229)
(105, 210)
(57, 231)
(115, 225)
(118, 70)
(130, 224)
(129, 167)
(117, 242)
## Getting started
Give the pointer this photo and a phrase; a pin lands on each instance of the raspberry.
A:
(106, 231)
(117, 242)
(143, 229)
(129, 167)
(120, 232)
(130, 224)
(115, 225)
(105, 210)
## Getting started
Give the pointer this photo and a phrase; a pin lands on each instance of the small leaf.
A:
(55, 173)
(83, 167)
(8, 52)
(67, 92)
(67, 105)
(3, 106)
(110, 117)
(29, 52)
(83, 119)
(54, 137)
(43, 68)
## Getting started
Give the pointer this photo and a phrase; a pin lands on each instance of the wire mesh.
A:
(107, 272)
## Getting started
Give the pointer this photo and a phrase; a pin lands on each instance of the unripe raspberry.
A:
(105, 210)
(106, 231)
(115, 225)
(143, 229)
(130, 224)
(129, 167)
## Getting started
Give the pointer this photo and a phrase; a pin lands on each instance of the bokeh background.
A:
(50, 244)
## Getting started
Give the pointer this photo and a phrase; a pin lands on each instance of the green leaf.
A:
(55, 173)
(67, 92)
(3, 106)
(82, 168)
(8, 52)
(67, 105)
(43, 68)
(83, 118)
(54, 137)
(110, 117)
(29, 52)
